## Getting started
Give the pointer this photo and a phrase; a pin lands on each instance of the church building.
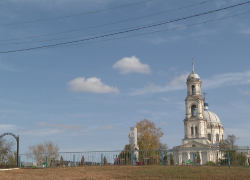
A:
(202, 128)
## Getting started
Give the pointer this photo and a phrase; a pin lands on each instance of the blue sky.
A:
(86, 97)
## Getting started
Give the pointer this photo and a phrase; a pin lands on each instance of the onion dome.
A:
(210, 116)
(193, 75)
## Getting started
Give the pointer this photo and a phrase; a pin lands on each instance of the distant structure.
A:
(201, 125)
(133, 143)
(203, 128)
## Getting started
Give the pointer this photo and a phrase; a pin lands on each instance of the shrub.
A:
(171, 159)
(61, 161)
(210, 163)
(105, 160)
(198, 158)
(82, 161)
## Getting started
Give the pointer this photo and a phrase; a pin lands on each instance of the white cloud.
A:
(180, 80)
(227, 79)
(66, 127)
(7, 127)
(151, 88)
(108, 127)
(241, 130)
(93, 85)
(246, 92)
(220, 3)
(8, 67)
(42, 132)
(161, 40)
(164, 123)
(154, 115)
(173, 68)
(132, 64)
(216, 81)
(165, 99)
(245, 31)
(204, 32)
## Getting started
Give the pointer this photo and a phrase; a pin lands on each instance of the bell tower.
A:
(195, 126)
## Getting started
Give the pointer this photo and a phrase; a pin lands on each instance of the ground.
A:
(129, 172)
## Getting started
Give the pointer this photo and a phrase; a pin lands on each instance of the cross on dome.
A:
(193, 64)
(204, 95)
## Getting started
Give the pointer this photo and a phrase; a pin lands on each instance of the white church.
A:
(203, 128)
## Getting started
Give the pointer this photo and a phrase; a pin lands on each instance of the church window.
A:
(192, 130)
(222, 136)
(193, 109)
(209, 136)
(196, 130)
(193, 90)
(217, 137)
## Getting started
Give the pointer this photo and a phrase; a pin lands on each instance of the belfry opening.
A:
(193, 110)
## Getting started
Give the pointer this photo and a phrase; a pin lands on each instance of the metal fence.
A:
(226, 157)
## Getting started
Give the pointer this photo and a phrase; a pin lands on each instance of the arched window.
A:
(196, 130)
(193, 110)
(193, 89)
(192, 130)
(222, 136)
(209, 136)
(217, 137)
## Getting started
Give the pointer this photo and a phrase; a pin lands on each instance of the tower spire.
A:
(193, 64)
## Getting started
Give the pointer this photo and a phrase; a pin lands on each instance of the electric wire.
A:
(152, 32)
(91, 27)
(122, 32)
(80, 14)
(28, 42)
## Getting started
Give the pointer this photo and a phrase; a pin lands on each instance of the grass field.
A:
(129, 172)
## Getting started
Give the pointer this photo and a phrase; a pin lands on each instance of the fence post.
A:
(228, 156)
(132, 158)
(46, 161)
(194, 159)
(74, 160)
(20, 164)
(162, 161)
(101, 159)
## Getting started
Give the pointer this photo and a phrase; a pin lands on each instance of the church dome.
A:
(210, 116)
(193, 75)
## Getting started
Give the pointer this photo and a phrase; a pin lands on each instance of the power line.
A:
(63, 32)
(204, 22)
(106, 31)
(179, 27)
(122, 32)
(91, 12)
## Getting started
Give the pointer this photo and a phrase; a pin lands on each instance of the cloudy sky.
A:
(86, 95)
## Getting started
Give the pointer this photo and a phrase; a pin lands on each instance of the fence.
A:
(226, 157)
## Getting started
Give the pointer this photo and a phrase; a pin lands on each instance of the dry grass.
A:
(129, 172)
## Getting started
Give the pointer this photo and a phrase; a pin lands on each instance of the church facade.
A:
(203, 129)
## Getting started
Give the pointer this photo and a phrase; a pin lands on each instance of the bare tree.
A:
(231, 138)
(5, 150)
(41, 151)
(163, 146)
(229, 142)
